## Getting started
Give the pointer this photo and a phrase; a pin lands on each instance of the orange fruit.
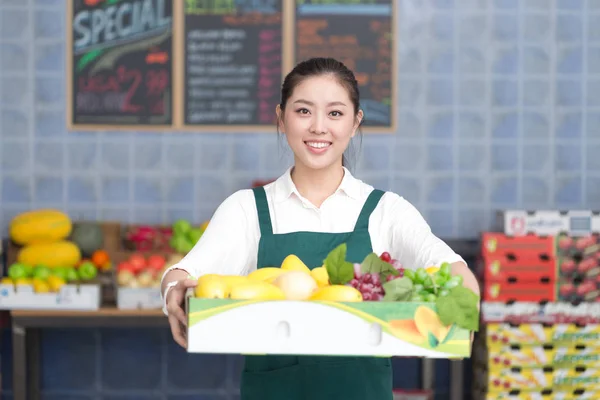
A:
(100, 258)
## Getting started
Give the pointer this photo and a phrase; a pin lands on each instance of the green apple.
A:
(181, 227)
(28, 270)
(41, 272)
(71, 275)
(194, 235)
(87, 271)
(60, 272)
(179, 243)
(17, 271)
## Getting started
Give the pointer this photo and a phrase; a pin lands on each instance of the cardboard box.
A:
(520, 268)
(500, 335)
(550, 222)
(85, 297)
(499, 245)
(508, 292)
(321, 328)
(412, 394)
(574, 291)
(540, 394)
(138, 298)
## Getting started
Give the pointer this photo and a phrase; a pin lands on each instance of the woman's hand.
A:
(176, 310)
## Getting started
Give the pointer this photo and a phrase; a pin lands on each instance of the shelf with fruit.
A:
(180, 237)
(138, 277)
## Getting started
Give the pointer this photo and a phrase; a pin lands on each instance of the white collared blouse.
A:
(229, 246)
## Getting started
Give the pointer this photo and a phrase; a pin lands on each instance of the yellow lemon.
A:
(265, 274)
(40, 286)
(6, 281)
(257, 290)
(296, 285)
(211, 287)
(55, 283)
(337, 293)
(321, 276)
(293, 263)
(23, 282)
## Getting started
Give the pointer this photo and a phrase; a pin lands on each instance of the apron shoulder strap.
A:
(262, 206)
(368, 207)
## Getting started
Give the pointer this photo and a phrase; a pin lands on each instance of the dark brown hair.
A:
(322, 66)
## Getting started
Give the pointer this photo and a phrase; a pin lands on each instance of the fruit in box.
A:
(149, 238)
(144, 271)
(47, 279)
(39, 226)
(53, 254)
(372, 280)
(297, 285)
(185, 236)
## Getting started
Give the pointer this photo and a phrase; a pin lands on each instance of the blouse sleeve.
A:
(412, 241)
(228, 246)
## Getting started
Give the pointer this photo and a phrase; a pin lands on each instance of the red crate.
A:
(507, 291)
(498, 244)
(520, 268)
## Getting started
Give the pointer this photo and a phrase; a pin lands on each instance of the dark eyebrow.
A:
(310, 103)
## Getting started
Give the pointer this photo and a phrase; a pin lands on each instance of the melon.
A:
(88, 236)
(40, 226)
(56, 254)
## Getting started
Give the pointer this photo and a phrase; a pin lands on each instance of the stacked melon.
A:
(51, 249)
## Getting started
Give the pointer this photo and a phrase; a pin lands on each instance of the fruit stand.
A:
(57, 263)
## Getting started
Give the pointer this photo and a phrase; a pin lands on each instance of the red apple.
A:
(124, 266)
(565, 242)
(156, 262)
(138, 262)
(567, 266)
(566, 290)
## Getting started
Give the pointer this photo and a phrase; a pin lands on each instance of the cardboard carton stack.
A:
(538, 360)
(521, 268)
(541, 309)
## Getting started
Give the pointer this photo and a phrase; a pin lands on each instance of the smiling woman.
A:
(316, 206)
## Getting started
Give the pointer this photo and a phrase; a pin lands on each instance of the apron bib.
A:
(289, 377)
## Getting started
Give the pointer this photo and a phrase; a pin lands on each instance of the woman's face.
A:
(319, 121)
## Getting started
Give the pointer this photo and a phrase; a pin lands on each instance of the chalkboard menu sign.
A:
(120, 60)
(361, 35)
(232, 63)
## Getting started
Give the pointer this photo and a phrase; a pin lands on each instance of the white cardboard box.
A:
(550, 222)
(70, 297)
(139, 298)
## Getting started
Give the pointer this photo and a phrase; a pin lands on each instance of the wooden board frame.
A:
(75, 127)
(178, 78)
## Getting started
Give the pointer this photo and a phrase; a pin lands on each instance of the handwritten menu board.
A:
(232, 62)
(120, 62)
(360, 34)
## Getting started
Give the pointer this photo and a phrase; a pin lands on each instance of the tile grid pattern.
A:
(499, 106)
(494, 112)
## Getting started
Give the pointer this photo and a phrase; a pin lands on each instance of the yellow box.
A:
(524, 335)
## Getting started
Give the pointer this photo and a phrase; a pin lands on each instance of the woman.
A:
(315, 206)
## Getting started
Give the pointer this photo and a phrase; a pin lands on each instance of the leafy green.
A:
(339, 270)
(459, 307)
(372, 264)
(400, 289)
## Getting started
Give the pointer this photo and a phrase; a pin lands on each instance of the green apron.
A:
(290, 377)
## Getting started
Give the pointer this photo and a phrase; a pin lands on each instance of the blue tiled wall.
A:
(499, 106)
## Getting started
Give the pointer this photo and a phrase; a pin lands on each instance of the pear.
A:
(293, 263)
